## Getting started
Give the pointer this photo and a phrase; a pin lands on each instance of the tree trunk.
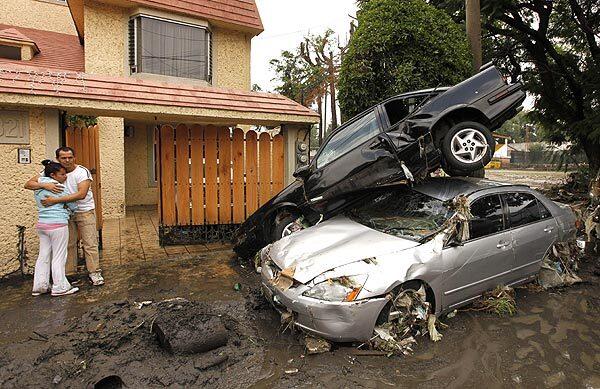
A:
(334, 122)
(324, 129)
(592, 152)
(320, 111)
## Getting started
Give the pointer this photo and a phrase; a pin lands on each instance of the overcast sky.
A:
(286, 22)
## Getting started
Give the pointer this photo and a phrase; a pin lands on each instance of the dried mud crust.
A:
(115, 339)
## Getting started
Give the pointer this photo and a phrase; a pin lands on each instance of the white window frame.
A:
(209, 67)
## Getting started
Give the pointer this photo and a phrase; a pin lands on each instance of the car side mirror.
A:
(302, 172)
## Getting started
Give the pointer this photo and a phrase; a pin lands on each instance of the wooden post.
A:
(473, 22)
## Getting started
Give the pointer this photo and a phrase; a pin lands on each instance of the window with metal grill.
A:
(169, 48)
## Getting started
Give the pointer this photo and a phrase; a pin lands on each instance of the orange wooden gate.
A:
(85, 142)
(212, 177)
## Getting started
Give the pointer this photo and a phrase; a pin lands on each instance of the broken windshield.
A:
(402, 212)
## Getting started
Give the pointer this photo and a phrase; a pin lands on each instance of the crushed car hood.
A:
(333, 243)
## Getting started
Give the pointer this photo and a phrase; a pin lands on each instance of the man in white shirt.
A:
(83, 222)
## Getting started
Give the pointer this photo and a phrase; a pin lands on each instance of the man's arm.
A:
(82, 189)
(33, 184)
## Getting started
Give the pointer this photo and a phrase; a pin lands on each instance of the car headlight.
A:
(337, 289)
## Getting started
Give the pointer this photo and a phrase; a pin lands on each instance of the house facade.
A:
(149, 72)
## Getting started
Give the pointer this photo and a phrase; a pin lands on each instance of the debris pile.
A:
(117, 343)
(559, 265)
(500, 301)
(409, 316)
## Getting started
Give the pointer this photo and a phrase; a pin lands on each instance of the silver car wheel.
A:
(469, 145)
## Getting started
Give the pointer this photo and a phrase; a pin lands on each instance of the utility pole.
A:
(473, 21)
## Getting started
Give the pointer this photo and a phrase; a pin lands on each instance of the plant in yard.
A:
(400, 46)
(80, 121)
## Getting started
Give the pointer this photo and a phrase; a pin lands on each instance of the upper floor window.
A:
(10, 52)
(169, 48)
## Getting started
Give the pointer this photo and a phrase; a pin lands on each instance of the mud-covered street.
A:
(76, 341)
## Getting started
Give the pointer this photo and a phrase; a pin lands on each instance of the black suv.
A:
(403, 138)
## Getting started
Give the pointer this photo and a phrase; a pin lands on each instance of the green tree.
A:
(397, 47)
(553, 47)
(520, 127)
(324, 53)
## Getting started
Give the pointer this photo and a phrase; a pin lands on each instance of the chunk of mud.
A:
(187, 331)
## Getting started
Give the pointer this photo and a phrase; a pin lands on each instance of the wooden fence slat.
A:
(167, 182)
(197, 156)
(210, 136)
(251, 173)
(69, 141)
(84, 156)
(182, 162)
(98, 178)
(278, 164)
(224, 176)
(264, 167)
(91, 151)
(238, 176)
(77, 143)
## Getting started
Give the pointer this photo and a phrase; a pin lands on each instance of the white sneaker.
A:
(39, 293)
(66, 292)
(96, 278)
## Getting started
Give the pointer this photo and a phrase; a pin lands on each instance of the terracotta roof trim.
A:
(24, 80)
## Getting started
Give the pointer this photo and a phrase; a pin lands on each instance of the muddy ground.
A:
(552, 341)
(533, 178)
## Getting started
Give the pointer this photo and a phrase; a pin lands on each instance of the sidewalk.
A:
(135, 239)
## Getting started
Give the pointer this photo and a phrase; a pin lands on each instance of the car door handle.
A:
(502, 244)
(549, 229)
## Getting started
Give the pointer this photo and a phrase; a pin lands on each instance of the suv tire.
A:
(468, 146)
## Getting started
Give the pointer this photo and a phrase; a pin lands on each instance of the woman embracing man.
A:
(64, 184)
(53, 230)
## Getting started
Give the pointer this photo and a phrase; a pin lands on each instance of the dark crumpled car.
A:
(404, 137)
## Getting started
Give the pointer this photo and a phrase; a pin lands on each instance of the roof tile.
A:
(239, 12)
(57, 51)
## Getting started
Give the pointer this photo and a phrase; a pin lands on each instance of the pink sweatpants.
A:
(53, 255)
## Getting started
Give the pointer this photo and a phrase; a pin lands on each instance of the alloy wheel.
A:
(469, 145)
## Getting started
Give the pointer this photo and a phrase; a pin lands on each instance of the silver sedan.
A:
(336, 278)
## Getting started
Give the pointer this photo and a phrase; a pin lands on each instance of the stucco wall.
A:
(17, 205)
(43, 15)
(231, 59)
(138, 190)
(112, 167)
(105, 39)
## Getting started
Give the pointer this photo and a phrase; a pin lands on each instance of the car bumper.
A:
(335, 321)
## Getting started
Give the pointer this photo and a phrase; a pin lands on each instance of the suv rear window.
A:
(523, 208)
